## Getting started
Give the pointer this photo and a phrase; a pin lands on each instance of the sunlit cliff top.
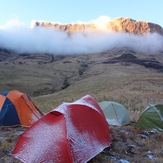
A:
(121, 24)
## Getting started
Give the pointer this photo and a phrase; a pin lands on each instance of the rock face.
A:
(134, 26)
(121, 24)
(67, 27)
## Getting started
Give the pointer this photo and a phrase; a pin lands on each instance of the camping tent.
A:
(17, 108)
(73, 132)
(151, 118)
(115, 113)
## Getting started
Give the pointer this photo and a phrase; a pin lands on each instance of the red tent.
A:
(73, 132)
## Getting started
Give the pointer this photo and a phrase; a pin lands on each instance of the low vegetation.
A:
(127, 143)
(51, 80)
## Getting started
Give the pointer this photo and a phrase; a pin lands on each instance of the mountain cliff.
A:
(134, 26)
(121, 24)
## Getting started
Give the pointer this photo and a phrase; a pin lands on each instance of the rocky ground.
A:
(128, 144)
(8, 139)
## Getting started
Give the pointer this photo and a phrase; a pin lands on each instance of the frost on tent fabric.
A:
(151, 118)
(73, 132)
(116, 114)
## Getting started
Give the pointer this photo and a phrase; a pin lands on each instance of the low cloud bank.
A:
(16, 36)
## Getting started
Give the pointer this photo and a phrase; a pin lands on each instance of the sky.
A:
(17, 34)
(68, 11)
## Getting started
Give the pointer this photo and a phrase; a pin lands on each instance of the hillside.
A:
(123, 75)
(132, 78)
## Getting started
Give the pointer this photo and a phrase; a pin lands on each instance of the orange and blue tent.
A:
(16, 108)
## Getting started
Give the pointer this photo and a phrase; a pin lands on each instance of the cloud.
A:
(13, 23)
(101, 22)
(16, 36)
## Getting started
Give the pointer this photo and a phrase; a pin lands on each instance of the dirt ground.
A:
(128, 144)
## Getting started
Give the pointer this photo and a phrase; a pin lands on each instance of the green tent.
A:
(115, 113)
(151, 118)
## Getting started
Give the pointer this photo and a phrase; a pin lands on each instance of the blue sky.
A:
(67, 11)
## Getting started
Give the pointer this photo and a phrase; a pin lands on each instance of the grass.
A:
(133, 86)
(126, 143)
(122, 91)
